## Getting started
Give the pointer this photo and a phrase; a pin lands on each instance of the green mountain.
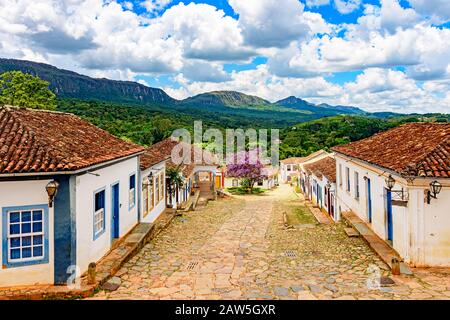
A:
(228, 107)
(69, 84)
(323, 108)
(226, 98)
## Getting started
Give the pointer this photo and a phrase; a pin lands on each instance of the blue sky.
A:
(375, 54)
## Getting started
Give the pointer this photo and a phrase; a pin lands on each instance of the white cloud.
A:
(438, 10)
(333, 54)
(385, 36)
(205, 32)
(267, 23)
(101, 36)
(343, 6)
(388, 17)
(192, 42)
(316, 3)
(347, 6)
(382, 89)
(205, 72)
(375, 89)
(261, 83)
(153, 6)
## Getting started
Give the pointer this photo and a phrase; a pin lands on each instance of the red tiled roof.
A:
(292, 160)
(325, 167)
(46, 141)
(414, 149)
(163, 151)
(297, 160)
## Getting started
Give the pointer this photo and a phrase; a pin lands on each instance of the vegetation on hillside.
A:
(146, 125)
(304, 138)
(24, 90)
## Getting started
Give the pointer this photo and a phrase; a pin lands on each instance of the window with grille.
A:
(99, 213)
(132, 192)
(25, 235)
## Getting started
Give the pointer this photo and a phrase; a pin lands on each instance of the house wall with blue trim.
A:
(26, 195)
(159, 207)
(420, 231)
(91, 247)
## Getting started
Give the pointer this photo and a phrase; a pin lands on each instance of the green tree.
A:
(24, 90)
(174, 181)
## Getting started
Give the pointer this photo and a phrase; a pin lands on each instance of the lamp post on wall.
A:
(399, 196)
(52, 190)
(435, 189)
(390, 182)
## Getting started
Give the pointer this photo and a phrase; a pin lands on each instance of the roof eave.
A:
(387, 169)
(73, 172)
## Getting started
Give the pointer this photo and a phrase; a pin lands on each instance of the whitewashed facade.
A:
(318, 185)
(51, 238)
(418, 231)
(87, 196)
(153, 192)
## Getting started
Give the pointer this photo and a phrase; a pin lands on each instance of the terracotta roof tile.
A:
(298, 160)
(325, 167)
(414, 149)
(45, 141)
(292, 160)
(163, 151)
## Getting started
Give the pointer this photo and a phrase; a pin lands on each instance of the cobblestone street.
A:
(239, 249)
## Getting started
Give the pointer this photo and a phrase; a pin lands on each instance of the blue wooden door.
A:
(389, 214)
(115, 211)
(369, 201)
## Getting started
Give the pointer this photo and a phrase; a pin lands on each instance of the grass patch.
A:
(300, 215)
(243, 191)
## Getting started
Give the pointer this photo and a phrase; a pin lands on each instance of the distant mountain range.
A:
(69, 84)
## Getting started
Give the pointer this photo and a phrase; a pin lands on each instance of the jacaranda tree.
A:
(248, 167)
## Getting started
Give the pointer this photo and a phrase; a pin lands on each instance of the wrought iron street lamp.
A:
(396, 195)
(390, 182)
(52, 190)
(435, 189)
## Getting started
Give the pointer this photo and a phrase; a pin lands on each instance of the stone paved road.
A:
(239, 249)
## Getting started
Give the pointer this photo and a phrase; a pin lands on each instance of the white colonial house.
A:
(67, 190)
(318, 183)
(153, 183)
(302, 176)
(398, 182)
(270, 182)
(204, 174)
(290, 168)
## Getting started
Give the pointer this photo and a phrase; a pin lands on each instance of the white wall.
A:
(24, 193)
(421, 231)
(88, 249)
(437, 229)
(159, 207)
(268, 184)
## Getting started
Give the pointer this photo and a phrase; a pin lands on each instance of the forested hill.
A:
(231, 106)
(304, 138)
(69, 84)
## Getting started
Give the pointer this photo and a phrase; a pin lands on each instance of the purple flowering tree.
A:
(247, 167)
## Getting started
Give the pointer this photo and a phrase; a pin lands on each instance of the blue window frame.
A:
(132, 192)
(99, 213)
(25, 235)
